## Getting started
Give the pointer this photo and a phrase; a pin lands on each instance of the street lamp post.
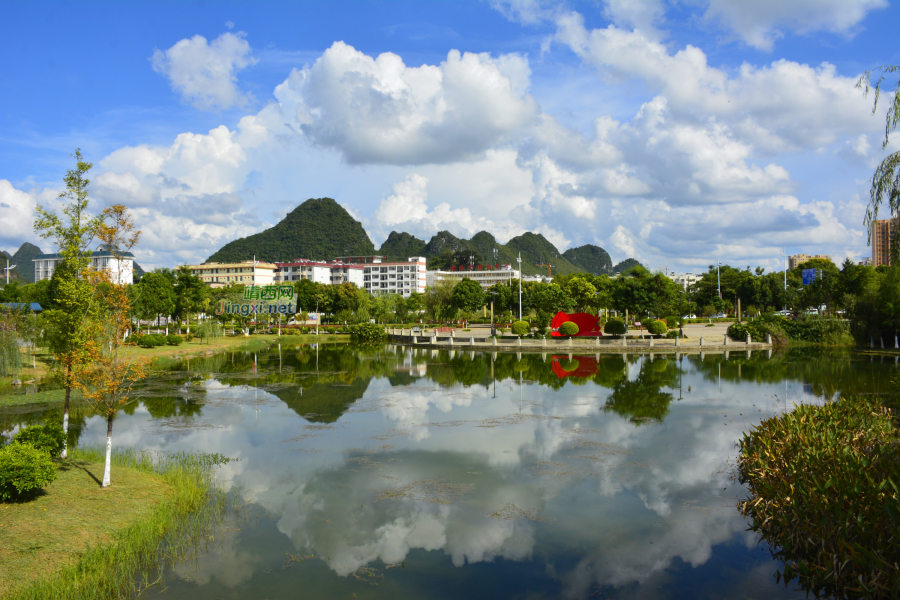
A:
(493, 330)
(718, 278)
(519, 260)
(785, 278)
(318, 318)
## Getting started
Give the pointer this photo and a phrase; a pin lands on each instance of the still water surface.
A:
(384, 473)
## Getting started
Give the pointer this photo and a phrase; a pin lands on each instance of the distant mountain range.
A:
(321, 229)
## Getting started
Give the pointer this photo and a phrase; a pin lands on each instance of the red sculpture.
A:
(587, 366)
(587, 324)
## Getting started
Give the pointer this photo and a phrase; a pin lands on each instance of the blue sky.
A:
(673, 132)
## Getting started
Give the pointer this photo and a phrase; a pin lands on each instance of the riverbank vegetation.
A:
(77, 540)
(824, 485)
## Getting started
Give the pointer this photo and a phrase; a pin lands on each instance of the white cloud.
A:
(761, 22)
(406, 209)
(378, 110)
(17, 216)
(204, 73)
(784, 106)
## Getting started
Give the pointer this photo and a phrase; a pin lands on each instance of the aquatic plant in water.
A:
(824, 487)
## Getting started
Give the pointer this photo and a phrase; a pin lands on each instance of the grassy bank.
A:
(824, 486)
(81, 541)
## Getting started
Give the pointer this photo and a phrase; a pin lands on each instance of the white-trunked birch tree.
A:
(108, 375)
(73, 233)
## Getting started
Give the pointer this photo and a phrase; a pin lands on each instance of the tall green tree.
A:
(467, 295)
(154, 296)
(73, 232)
(190, 292)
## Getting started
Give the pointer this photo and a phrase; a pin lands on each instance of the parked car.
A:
(719, 316)
(689, 317)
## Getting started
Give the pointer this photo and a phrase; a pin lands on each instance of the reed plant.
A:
(824, 486)
(177, 530)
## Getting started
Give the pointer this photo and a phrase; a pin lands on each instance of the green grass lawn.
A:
(40, 536)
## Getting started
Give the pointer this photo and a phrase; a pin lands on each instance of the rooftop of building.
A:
(94, 254)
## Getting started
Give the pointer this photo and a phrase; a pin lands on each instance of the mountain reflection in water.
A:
(446, 474)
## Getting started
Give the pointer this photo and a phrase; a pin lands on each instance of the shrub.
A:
(188, 337)
(568, 328)
(152, 340)
(672, 322)
(614, 326)
(173, 339)
(672, 334)
(657, 327)
(759, 328)
(24, 469)
(521, 328)
(47, 438)
(368, 332)
(541, 331)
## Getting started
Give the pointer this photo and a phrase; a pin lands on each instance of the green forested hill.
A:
(23, 259)
(400, 246)
(590, 258)
(626, 264)
(318, 229)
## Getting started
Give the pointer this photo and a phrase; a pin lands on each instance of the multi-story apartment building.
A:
(796, 260)
(246, 272)
(121, 270)
(485, 277)
(882, 231)
(333, 273)
(685, 280)
(394, 277)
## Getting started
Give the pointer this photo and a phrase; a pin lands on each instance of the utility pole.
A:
(7, 270)
(519, 260)
(785, 268)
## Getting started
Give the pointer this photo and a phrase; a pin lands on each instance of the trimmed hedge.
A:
(173, 339)
(614, 326)
(568, 328)
(47, 438)
(657, 328)
(24, 470)
(521, 328)
(151, 340)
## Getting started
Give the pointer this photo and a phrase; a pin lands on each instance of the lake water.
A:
(385, 473)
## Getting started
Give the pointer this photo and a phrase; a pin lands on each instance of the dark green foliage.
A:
(317, 229)
(400, 246)
(590, 258)
(824, 494)
(173, 339)
(151, 340)
(47, 438)
(467, 295)
(521, 328)
(568, 328)
(23, 470)
(367, 332)
(657, 327)
(672, 322)
(816, 330)
(626, 264)
(615, 326)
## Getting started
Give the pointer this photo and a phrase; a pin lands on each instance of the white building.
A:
(333, 273)
(394, 277)
(101, 260)
(301, 268)
(685, 280)
(486, 278)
